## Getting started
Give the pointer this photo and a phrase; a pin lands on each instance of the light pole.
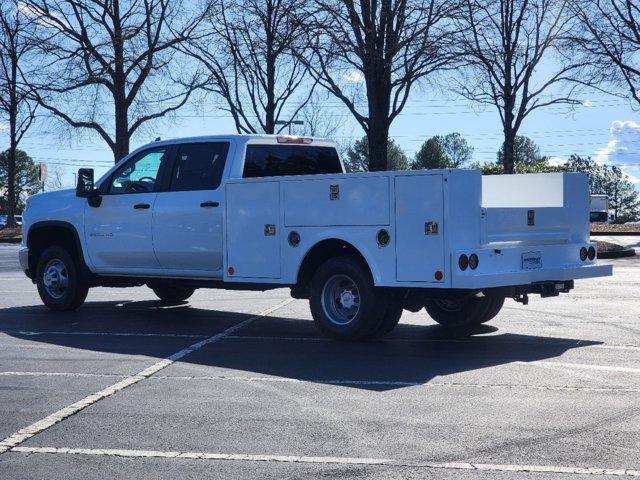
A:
(289, 123)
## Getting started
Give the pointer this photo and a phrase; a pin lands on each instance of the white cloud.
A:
(42, 19)
(353, 76)
(623, 148)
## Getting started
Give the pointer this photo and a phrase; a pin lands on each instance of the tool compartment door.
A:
(419, 228)
(253, 230)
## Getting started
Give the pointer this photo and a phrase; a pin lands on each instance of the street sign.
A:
(42, 174)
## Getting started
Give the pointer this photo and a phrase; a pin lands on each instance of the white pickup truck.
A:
(260, 212)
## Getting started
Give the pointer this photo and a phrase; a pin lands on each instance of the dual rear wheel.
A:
(346, 305)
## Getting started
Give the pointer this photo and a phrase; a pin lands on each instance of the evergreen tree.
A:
(357, 157)
(26, 178)
(448, 151)
(526, 152)
(611, 181)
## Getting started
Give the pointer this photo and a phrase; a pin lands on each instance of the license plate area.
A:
(532, 260)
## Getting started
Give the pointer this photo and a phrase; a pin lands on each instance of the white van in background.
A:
(599, 209)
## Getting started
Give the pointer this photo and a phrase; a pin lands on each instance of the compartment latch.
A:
(431, 228)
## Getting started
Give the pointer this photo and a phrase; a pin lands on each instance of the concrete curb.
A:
(615, 234)
(629, 252)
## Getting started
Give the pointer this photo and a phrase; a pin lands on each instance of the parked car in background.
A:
(4, 218)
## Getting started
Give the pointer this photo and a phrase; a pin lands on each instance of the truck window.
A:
(199, 166)
(139, 174)
(281, 160)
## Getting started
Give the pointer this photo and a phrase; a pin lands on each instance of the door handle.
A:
(141, 206)
(209, 204)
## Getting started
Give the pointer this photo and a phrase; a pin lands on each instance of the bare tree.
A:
(55, 178)
(379, 50)
(318, 119)
(506, 43)
(249, 54)
(609, 35)
(15, 47)
(113, 54)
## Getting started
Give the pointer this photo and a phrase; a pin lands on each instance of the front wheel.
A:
(60, 284)
(344, 302)
(463, 311)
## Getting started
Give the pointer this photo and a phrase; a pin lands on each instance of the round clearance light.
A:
(591, 253)
(294, 239)
(463, 262)
(438, 275)
(231, 271)
(583, 253)
(383, 238)
(473, 261)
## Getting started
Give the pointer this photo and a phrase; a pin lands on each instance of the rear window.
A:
(283, 160)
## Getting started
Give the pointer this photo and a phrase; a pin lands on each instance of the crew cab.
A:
(261, 212)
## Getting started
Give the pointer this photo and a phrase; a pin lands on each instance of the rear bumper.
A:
(504, 267)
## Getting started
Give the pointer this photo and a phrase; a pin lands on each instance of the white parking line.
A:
(21, 435)
(577, 343)
(61, 374)
(619, 472)
(553, 342)
(604, 368)
(337, 382)
(102, 334)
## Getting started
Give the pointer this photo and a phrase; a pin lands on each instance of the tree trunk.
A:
(508, 149)
(11, 178)
(378, 137)
(13, 146)
(378, 96)
(121, 147)
(269, 121)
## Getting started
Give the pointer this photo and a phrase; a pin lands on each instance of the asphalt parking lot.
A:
(241, 385)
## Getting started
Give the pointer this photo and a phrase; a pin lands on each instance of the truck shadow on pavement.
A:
(288, 348)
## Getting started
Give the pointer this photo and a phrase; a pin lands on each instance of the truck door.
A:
(187, 218)
(419, 228)
(253, 230)
(118, 232)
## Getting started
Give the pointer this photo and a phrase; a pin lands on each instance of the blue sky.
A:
(605, 127)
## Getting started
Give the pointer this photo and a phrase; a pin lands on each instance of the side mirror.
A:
(84, 186)
(86, 189)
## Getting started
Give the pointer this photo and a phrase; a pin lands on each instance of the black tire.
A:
(61, 285)
(389, 320)
(493, 309)
(172, 293)
(358, 311)
(460, 312)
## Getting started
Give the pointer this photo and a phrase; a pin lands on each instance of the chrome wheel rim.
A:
(55, 278)
(340, 299)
